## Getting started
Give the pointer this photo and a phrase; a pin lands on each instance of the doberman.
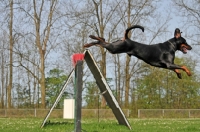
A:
(159, 55)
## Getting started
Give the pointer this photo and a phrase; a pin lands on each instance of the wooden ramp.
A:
(104, 88)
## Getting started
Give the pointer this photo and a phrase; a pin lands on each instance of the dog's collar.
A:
(172, 44)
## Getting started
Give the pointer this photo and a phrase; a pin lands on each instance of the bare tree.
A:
(11, 41)
(42, 43)
(94, 16)
(35, 12)
(4, 69)
(137, 11)
(109, 19)
(189, 11)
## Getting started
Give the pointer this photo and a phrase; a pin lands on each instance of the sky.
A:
(175, 21)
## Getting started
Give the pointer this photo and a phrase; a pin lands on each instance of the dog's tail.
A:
(130, 28)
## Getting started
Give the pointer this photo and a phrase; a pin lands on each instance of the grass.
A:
(92, 125)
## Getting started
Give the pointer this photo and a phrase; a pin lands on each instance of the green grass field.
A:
(92, 125)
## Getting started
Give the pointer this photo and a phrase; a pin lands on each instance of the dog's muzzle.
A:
(185, 47)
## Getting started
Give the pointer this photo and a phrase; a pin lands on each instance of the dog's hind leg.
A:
(99, 41)
(91, 44)
(97, 38)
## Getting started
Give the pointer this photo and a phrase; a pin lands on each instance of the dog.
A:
(160, 55)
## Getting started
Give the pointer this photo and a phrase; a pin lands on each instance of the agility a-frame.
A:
(104, 88)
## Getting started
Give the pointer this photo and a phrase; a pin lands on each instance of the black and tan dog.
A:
(159, 55)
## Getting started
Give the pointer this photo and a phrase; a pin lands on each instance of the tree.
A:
(190, 17)
(11, 41)
(10, 36)
(43, 23)
(92, 95)
(95, 18)
(161, 89)
(4, 70)
(22, 100)
(190, 11)
(42, 44)
(136, 12)
(109, 19)
(54, 83)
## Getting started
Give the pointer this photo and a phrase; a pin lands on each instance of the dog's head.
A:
(182, 45)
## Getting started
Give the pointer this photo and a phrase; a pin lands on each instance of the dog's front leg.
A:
(178, 73)
(184, 68)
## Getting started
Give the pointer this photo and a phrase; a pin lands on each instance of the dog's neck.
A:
(173, 44)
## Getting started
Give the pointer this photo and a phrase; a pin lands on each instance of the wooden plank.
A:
(105, 89)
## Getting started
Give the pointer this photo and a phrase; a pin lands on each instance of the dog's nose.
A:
(189, 47)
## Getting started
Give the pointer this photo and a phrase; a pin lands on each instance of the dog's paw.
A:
(179, 75)
(87, 45)
(92, 37)
(189, 73)
(186, 70)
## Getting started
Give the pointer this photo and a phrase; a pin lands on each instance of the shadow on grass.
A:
(49, 123)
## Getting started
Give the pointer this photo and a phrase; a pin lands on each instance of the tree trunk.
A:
(42, 82)
(42, 53)
(118, 78)
(127, 82)
(127, 74)
(42, 44)
(103, 52)
(103, 68)
(99, 15)
(11, 55)
(2, 80)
